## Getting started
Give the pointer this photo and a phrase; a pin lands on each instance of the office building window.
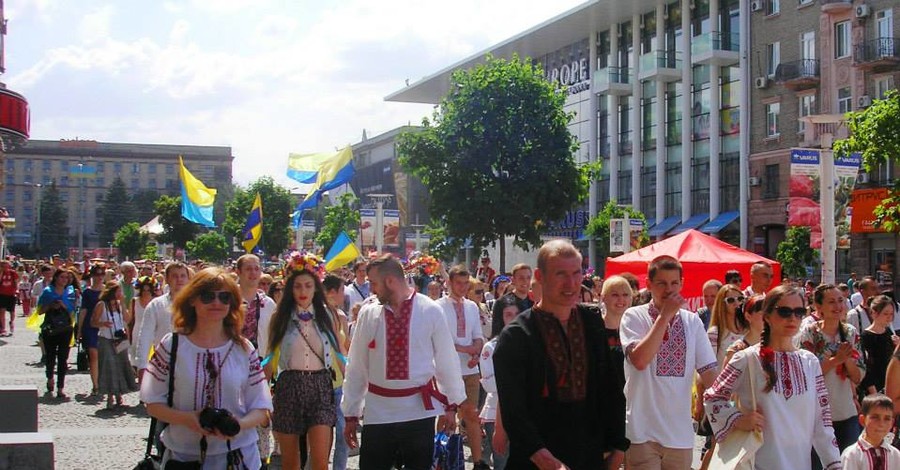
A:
(772, 112)
(603, 129)
(700, 185)
(135, 184)
(673, 189)
(770, 182)
(602, 191)
(625, 143)
(729, 181)
(673, 113)
(101, 167)
(100, 181)
(842, 39)
(117, 168)
(170, 169)
(46, 165)
(26, 195)
(648, 190)
(882, 86)
(28, 166)
(700, 104)
(773, 7)
(731, 100)
(151, 183)
(10, 164)
(135, 168)
(648, 116)
(64, 180)
(883, 172)
(773, 58)
(99, 196)
(151, 168)
(807, 108)
(625, 186)
(844, 100)
(64, 166)
(10, 179)
(10, 197)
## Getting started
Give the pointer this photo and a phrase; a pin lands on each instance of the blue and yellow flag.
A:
(324, 171)
(196, 199)
(253, 227)
(343, 251)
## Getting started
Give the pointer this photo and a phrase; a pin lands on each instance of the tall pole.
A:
(418, 228)
(37, 225)
(380, 199)
(81, 209)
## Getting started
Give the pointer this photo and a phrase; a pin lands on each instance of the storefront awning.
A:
(663, 227)
(720, 222)
(693, 221)
(650, 223)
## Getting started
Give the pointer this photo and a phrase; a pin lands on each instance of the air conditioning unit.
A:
(756, 5)
(762, 82)
(864, 101)
(862, 178)
(754, 181)
(863, 11)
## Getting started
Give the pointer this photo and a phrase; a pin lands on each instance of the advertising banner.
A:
(367, 227)
(862, 209)
(804, 209)
(619, 236)
(367, 224)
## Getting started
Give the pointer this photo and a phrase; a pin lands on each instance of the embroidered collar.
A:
(865, 445)
(408, 299)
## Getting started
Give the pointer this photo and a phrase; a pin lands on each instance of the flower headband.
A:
(303, 260)
(499, 279)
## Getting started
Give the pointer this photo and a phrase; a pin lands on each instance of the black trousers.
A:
(410, 442)
(57, 354)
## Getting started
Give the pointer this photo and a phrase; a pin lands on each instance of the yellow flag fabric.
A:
(196, 191)
(343, 251)
(253, 228)
(34, 321)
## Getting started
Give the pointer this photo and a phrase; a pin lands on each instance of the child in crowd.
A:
(873, 450)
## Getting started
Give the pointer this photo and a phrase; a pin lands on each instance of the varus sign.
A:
(14, 118)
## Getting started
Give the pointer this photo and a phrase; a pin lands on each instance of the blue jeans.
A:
(341, 451)
(487, 447)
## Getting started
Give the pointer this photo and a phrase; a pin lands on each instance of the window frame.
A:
(842, 40)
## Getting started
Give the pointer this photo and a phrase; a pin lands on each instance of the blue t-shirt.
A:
(49, 295)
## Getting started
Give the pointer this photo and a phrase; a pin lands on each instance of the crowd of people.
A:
(541, 367)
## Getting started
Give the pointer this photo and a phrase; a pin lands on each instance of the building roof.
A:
(549, 36)
(92, 148)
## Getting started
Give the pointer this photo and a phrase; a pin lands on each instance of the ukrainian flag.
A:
(342, 252)
(324, 171)
(196, 199)
(253, 227)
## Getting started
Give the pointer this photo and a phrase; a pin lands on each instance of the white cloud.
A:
(94, 26)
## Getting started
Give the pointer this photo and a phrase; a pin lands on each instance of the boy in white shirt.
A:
(873, 450)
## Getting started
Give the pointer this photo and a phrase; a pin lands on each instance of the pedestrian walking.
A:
(57, 305)
(9, 285)
(88, 334)
(115, 374)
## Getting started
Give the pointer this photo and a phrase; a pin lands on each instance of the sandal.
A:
(49, 385)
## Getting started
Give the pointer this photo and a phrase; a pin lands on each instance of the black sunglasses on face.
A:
(786, 312)
(208, 296)
(732, 300)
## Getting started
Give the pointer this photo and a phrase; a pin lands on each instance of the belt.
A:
(427, 391)
(307, 372)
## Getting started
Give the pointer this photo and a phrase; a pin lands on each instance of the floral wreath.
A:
(304, 260)
(429, 264)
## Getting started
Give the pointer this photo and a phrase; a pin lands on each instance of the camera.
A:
(221, 420)
(120, 334)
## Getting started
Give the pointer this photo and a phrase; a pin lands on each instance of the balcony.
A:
(663, 66)
(613, 81)
(878, 55)
(799, 74)
(836, 6)
(718, 49)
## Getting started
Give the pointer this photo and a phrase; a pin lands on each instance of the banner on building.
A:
(862, 209)
(804, 209)
(367, 223)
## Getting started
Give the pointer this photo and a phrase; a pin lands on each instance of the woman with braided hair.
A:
(792, 412)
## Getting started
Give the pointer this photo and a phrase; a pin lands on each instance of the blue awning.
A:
(650, 222)
(720, 222)
(667, 224)
(693, 221)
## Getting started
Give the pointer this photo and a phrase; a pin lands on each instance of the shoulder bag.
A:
(738, 450)
(150, 461)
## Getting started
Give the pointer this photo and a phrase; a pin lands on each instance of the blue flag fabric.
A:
(330, 171)
(342, 252)
(253, 228)
(196, 199)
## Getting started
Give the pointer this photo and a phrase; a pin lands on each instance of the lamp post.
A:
(37, 224)
(380, 200)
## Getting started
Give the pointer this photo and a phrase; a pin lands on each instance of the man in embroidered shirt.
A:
(559, 403)
(157, 318)
(760, 279)
(359, 289)
(401, 346)
(464, 323)
(129, 271)
(664, 345)
(258, 307)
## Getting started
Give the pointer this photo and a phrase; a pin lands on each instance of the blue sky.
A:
(266, 77)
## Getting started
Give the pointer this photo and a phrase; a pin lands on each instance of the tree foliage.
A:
(178, 230)
(277, 205)
(795, 252)
(210, 246)
(130, 240)
(499, 142)
(598, 227)
(340, 217)
(115, 211)
(54, 226)
(875, 133)
(142, 205)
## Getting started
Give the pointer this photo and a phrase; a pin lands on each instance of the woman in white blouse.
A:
(215, 368)
(793, 413)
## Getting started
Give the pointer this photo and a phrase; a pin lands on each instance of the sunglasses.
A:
(732, 300)
(786, 312)
(208, 296)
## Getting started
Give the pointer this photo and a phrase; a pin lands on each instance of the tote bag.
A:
(738, 450)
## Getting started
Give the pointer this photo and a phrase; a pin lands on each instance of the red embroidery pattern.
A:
(791, 378)
(397, 336)
(460, 318)
(671, 360)
(822, 397)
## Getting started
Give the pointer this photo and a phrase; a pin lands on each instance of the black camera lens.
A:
(221, 420)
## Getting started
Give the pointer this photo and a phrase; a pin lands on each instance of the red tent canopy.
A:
(702, 256)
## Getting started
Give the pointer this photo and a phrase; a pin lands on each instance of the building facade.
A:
(814, 61)
(83, 170)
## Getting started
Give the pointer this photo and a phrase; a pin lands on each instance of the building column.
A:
(613, 121)
(687, 145)
(593, 150)
(744, 163)
(635, 117)
(715, 116)
(661, 148)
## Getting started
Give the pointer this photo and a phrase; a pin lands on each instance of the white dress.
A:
(798, 416)
(489, 382)
(136, 332)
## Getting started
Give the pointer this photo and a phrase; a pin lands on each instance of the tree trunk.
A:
(502, 265)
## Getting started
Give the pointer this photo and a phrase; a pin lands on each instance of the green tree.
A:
(795, 252)
(499, 142)
(54, 228)
(130, 240)
(142, 205)
(875, 133)
(178, 230)
(115, 211)
(339, 217)
(150, 251)
(277, 205)
(598, 226)
(210, 246)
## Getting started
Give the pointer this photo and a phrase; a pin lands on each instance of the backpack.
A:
(57, 321)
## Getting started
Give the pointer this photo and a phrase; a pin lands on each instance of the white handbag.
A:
(738, 450)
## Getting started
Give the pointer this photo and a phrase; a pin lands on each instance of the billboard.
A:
(804, 208)
(368, 222)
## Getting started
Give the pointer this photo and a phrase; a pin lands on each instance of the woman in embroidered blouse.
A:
(146, 291)
(751, 321)
(792, 402)
(724, 328)
(334, 296)
(878, 341)
(302, 343)
(214, 368)
(836, 344)
(115, 375)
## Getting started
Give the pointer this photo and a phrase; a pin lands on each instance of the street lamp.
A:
(380, 200)
(37, 225)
